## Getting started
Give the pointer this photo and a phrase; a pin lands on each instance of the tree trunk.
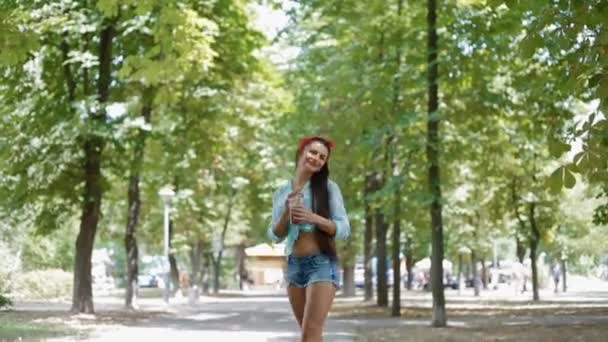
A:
(409, 262)
(174, 270)
(195, 254)
(520, 248)
(396, 309)
(381, 231)
(476, 281)
(396, 241)
(533, 250)
(217, 262)
(205, 273)
(68, 74)
(381, 280)
(217, 273)
(131, 244)
(368, 239)
(348, 268)
(82, 298)
(534, 240)
(519, 243)
(348, 288)
(564, 284)
(240, 263)
(484, 274)
(459, 276)
(134, 204)
(432, 150)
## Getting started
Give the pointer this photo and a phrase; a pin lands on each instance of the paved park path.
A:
(253, 317)
(249, 318)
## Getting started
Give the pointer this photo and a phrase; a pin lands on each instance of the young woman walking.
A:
(308, 212)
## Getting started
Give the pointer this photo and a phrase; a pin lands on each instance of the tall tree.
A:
(77, 75)
(134, 203)
(90, 63)
(368, 239)
(433, 148)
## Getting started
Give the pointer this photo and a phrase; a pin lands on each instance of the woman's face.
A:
(313, 157)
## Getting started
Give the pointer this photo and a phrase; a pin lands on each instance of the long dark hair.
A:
(320, 200)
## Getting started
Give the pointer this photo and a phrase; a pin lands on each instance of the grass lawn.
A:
(508, 323)
(530, 332)
(40, 325)
(15, 326)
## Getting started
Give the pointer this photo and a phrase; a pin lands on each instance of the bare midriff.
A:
(306, 244)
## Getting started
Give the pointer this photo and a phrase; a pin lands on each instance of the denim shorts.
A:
(305, 270)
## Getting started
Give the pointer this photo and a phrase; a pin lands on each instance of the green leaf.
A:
(109, 8)
(557, 148)
(584, 161)
(595, 80)
(602, 90)
(569, 179)
(555, 181)
(562, 177)
(530, 44)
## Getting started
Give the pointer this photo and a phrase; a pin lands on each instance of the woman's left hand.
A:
(303, 215)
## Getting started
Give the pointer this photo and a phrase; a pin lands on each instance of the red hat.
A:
(306, 140)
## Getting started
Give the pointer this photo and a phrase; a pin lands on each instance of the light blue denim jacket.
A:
(336, 211)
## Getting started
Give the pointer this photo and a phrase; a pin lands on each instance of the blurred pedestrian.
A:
(556, 274)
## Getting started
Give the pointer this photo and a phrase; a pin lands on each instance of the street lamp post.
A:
(166, 194)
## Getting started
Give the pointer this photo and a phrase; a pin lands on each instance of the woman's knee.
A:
(312, 331)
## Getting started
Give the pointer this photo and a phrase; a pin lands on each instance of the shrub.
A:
(43, 284)
(4, 301)
(9, 266)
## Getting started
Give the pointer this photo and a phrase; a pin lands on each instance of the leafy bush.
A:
(44, 284)
(9, 266)
(49, 251)
(4, 301)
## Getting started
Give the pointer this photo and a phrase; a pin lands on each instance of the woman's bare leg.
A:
(319, 297)
(297, 299)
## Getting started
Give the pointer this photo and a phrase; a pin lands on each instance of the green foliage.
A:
(45, 284)
(574, 33)
(571, 36)
(16, 42)
(600, 215)
(5, 302)
(563, 176)
(10, 266)
(55, 250)
(194, 63)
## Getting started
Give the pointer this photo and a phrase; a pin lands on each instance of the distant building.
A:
(266, 264)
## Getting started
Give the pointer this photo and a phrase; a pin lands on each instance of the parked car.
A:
(150, 271)
(422, 274)
(147, 280)
(448, 281)
(360, 275)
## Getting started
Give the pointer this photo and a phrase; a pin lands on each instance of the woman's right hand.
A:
(292, 200)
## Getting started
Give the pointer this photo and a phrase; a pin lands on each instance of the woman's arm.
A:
(338, 212)
(326, 225)
(277, 231)
(337, 225)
